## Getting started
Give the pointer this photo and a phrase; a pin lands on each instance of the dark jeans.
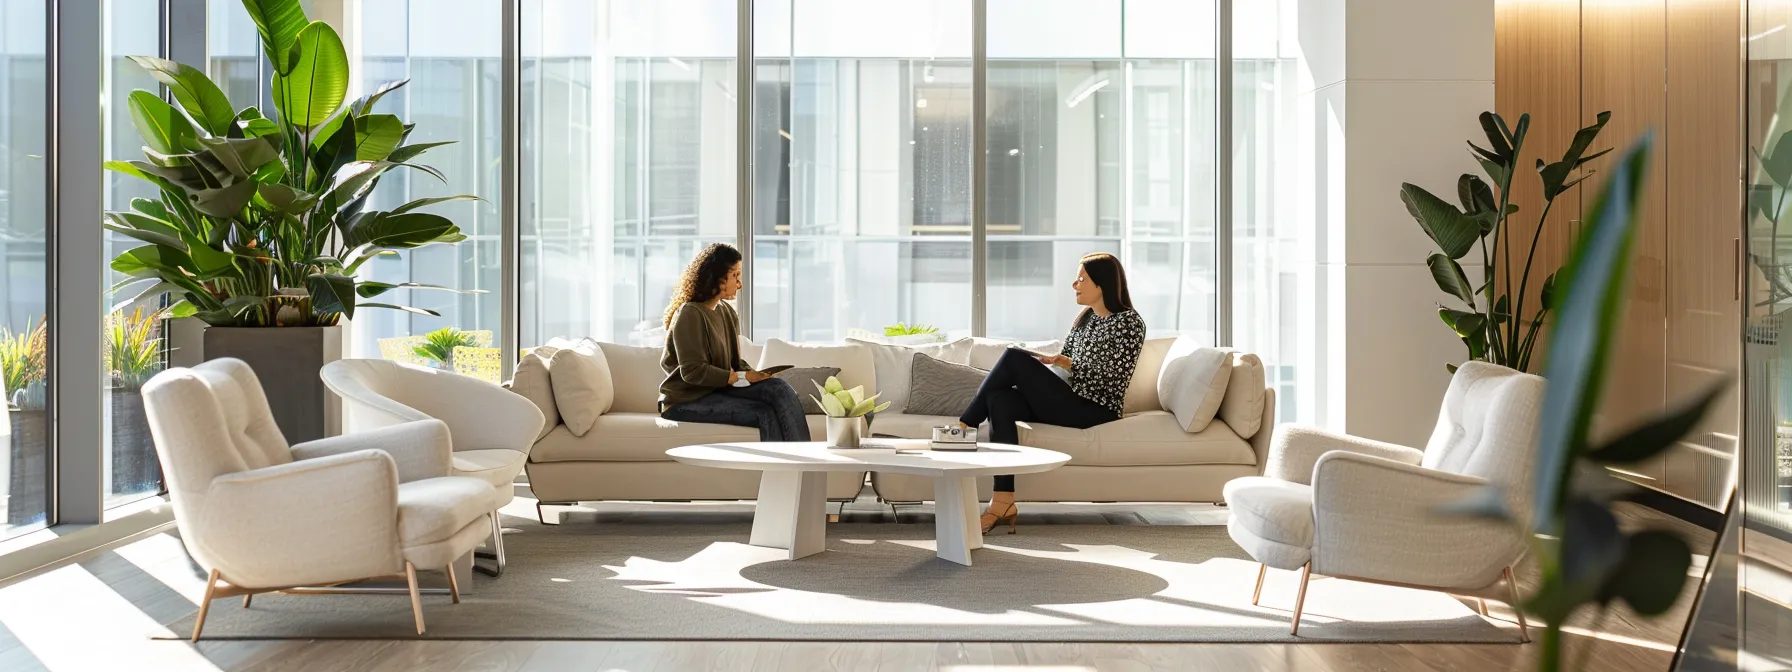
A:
(770, 404)
(1021, 389)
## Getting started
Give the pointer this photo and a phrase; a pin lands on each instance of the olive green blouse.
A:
(702, 349)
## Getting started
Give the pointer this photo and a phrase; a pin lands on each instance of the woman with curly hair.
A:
(706, 380)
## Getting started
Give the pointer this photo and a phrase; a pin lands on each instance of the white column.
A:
(1396, 88)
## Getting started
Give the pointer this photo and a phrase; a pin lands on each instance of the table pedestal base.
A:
(792, 512)
(957, 523)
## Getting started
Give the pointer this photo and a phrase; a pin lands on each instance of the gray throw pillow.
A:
(941, 388)
(805, 380)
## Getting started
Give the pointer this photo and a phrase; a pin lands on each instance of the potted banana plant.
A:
(262, 227)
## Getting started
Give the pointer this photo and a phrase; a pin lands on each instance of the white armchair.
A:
(264, 517)
(491, 428)
(1359, 509)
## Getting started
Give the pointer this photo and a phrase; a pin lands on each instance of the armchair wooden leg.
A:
(246, 599)
(1300, 598)
(453, 584)
(410, 577)
(1481, 605)
(1524, 629)
(211, 584)
(1262, 569)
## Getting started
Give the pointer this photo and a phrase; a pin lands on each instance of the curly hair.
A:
(702, 279)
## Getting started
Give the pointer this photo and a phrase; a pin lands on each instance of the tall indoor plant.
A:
(262, 219)
(23, 370)
(1493, 326)
(1584, 557)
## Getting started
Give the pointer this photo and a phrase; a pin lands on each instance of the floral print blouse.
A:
(1103, 352)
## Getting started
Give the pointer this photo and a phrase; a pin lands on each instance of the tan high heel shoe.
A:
(991, 520)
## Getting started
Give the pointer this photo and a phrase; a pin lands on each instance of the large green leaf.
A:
(1658, 433)
(225, 202)
(139, 170)
(195, 92)
(318, 80)
(286, 199)
(279, 23)
(376, 135)
(1778, 162)
(408, 309)
(1449, 277)
(426, 202)
(368, 289)
(164, 128)
(408, 152)
(1652, 573)
(243, 157)
(162, 235)
(1555, 175)
(1591, 295)
(151, 260)
(403, 231)
(1454, 232)
(254, 125)
(364, 106)
(332, 294)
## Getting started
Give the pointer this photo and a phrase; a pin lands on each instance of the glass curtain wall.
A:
(24, 284)
(628, 159)
(451, 51)
(133, 333)
(862, 146)
(1101, 139)
(1275, 308)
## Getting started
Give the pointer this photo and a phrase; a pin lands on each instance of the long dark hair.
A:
(702, 279)
(1105, 271)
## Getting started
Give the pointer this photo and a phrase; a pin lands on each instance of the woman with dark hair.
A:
(1099, 356)
(706, 380)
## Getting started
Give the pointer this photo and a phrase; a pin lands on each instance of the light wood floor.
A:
(96, 620)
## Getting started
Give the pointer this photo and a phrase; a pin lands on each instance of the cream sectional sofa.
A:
(1145, 456)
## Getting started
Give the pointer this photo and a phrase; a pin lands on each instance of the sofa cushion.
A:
(1141, 394)
(749, 351)
(892, 365)
(942, 388)
(804, 381)
(582, 386)
(1152, 438)
(1272, 509)
(633, 437)
(433, 509)
(1242, 408)
(985, 352)
(854, 360)
(636, 374)
(533, 383)
(1193, 381)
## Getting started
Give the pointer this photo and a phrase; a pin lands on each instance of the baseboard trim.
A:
(1687, 510)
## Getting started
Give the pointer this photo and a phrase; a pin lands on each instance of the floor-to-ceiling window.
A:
(1276, 311)
(132, 344)
(24, 271)
(627, 159)
(862, 147)
(451, 51)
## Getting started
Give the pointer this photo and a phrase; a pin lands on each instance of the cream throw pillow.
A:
(1141, 393)
(894, 364)
(636, 374)
(1242, 409)
(1192, 382)
(853, 359)
(582, 386)
(533, 383)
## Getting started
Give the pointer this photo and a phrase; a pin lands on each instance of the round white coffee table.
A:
(792, 509)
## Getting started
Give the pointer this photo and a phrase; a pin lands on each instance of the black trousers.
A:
(1021, 389)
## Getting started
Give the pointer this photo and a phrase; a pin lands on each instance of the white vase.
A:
(845, 432)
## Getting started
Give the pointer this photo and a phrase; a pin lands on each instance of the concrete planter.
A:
(287, 360)
(134, 465)
(27, 468)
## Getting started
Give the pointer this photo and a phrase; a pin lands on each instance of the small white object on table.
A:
(792, 509)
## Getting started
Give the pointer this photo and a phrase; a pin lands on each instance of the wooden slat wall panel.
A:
(1703, 152)
(1537, 71)
(1625, 71)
